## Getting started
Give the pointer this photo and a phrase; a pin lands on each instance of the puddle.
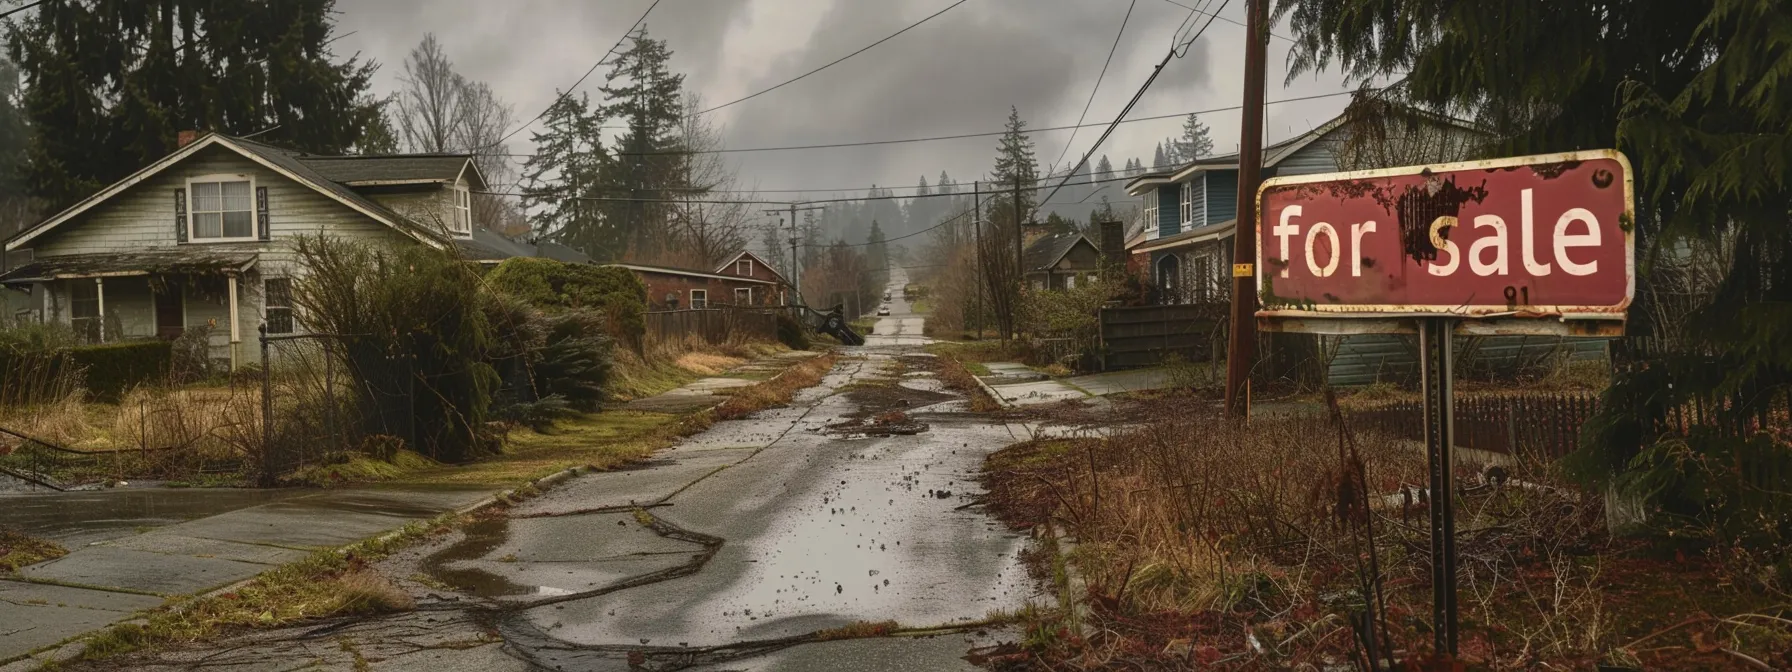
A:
(481, 539)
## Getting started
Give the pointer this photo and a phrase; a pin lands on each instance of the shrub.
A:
(792, 333)
(416, 339)
(552, 285)
(539, 355)
(112, 369)
(193, 355)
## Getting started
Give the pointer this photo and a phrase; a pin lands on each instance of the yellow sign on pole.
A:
(1242, 270)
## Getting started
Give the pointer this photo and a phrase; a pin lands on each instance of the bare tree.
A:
(441, 111)
(706, 230)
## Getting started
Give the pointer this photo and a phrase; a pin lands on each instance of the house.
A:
(682, 288)
(1183, 243)
(204, 237)
(746, 264)
(1058, 261)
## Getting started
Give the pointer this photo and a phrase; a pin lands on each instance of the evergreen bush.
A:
(556, 286)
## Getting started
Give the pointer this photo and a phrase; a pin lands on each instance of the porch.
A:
(156, 294)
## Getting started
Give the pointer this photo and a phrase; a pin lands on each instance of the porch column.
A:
(99, 289)
(236, 332)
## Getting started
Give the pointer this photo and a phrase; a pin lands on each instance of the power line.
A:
(1098, 78)
(1122, 116)
(835, 61)
(20, 8)
(1233, 22)
(575, 85)
(1039, 186)
(961, 136)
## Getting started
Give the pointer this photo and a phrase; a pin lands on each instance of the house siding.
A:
(1319, 156)
(1197, 205)
(720, 291)
(1169, 213)
(1222, 196)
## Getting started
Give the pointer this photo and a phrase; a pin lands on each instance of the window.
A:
(699, 299)
(1070, 281)
(462, 222)
(743, 296)
(223, 208)
(84, 308)
(1151, 217)
(277, 305)
(671, 300)
(743, 267)
(1188, 204)
(1168, 270)
(1203, 279)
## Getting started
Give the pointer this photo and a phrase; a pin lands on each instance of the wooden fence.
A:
(713, 325)
(1547, 426)
(1138, 336)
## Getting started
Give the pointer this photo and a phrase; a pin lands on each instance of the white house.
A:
(205, 237)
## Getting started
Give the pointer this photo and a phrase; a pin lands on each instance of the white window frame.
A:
(460, 223)
(737, 295)
(699, 299)
(193, 209)
(1151, 217)
(1188, 205)
(748, 262)
(268, 308)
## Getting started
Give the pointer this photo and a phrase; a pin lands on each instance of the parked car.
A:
(883, 311)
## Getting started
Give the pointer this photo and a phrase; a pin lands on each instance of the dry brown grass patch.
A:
(777, 391)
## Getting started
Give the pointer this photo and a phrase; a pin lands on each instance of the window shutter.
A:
(180, 215)
(261, 214)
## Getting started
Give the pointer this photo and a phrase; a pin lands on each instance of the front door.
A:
(171, 318)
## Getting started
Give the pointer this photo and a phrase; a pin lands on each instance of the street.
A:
(731, 550)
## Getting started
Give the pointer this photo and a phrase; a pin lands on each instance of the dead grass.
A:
(858, 630)
(1197, 533)
(957, 376)
(326, 584)
(664, 365)
(777, 391)
(20, 550)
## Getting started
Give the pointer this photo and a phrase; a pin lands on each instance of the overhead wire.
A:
(834, 62)
(575, 85)
(1104, 73)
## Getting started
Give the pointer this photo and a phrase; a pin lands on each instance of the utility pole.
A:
(796, 284)
(977, 220)
(1241, 350)
(1020, 265)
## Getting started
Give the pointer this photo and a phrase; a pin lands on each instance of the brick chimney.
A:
(1113, 243)
(185, 138)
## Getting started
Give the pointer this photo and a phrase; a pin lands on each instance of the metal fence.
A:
(713, 325)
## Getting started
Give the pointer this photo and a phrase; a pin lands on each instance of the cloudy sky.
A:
(958, 73)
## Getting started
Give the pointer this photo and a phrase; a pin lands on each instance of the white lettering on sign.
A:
(1356, 243)
(1496, 242)
(1444, 246)
(1564, 240)
(1331, 234)
(1283, 230)
(1489, 255)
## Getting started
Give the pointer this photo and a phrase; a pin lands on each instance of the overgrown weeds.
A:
(18, 550)
(777, 391)
(1204, 541)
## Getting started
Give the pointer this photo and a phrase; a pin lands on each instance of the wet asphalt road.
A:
(719, 554)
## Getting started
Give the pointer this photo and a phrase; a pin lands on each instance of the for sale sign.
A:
(1540, 238)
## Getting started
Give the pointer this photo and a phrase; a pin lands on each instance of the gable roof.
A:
(756, 259)
(291, 164)
(644, 268)
(1045, 252)
(394, 169)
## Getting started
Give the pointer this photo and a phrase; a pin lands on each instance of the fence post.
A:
(330, 396)
(267, 412)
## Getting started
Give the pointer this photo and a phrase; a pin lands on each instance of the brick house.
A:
(683, 288)
(748, 265)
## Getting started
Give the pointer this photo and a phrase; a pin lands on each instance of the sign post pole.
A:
(1437, 376)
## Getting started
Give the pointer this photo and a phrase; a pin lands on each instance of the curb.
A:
(991, 391)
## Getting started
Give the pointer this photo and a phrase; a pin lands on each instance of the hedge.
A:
(114, 368)
(555, 285)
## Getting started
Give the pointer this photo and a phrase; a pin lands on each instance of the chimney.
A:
(1113, 243)
(185, 138)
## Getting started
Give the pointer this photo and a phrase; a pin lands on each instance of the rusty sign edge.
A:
(1551, 317)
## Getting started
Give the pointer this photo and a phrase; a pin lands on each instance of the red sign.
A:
(1525, 237)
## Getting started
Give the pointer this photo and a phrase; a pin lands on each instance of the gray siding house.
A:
(205, 237)
(1058, 261)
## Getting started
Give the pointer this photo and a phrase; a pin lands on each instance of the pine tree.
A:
(1195, 141)
(1104, 169)
(945, 184)
(569, 158)
(641, 92)
(111, 83)
(1015, 163)
(876, 250)
(1158, 160)
(14, 133)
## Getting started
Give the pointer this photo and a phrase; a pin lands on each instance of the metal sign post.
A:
(1437, 378)
(1533, 245)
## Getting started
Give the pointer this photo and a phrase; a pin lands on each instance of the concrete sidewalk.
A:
(113, 570)
(1014, 384)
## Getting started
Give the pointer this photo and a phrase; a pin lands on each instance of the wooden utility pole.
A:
(1240, 350)
(796, 284)
(977, 277)
(1020, 264)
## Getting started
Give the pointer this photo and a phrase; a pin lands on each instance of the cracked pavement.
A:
(733, 550)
